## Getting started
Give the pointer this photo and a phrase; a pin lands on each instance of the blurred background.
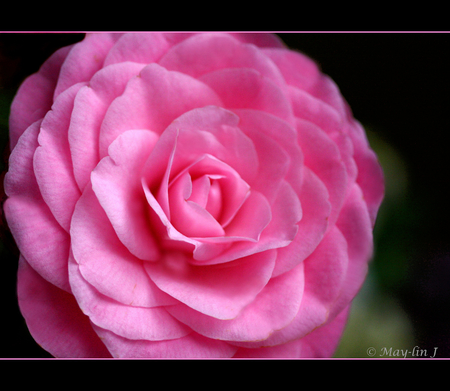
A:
(398, 85)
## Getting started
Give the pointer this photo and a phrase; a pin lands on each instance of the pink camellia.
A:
(188, 195)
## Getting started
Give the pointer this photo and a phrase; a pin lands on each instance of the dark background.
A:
(398, 86)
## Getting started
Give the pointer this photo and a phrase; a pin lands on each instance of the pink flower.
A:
(188, 195)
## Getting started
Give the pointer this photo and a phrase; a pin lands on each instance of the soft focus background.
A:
(398, 85)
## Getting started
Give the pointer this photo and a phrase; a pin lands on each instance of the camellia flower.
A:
(188, 195)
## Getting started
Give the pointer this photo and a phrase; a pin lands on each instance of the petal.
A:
(204, 53)
(260, 39)
(355, 224)
(38, 235)
(187, 216)
(54, 318)
(323, 341)
(220, 291)
(90, 106)
(52, 160)
(152, 100)
(105, 262)
(116, 182)
(142, 48)
(322, 156)
(325, 271)
(85, 58)
(311, 228)
(35, 95)
(276, 139)
(297, 69)
(370, 174)
(243, 88)
(153, 324)
(272, 309)
(309, 108)
(274, 228)
(190, 346)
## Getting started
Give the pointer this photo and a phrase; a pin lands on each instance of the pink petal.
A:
(90, 106)
(204, 53)
(116, 182)
(190, 346)
(311, 228)
(370, 174)
(279, 153)
(272, 309)
(322, 156)
(131, 322)
(273, 227)
(54, 318)
(234, 190)
(52, 161)
(39, 237)
(355, 224)
(143, 48)
(325, 271)
(187, 216)
(85, 58)
(288, 350)
(152, 100)
(252, 218)
(323, 341)
(297, 69)
(35, 95)
(104, 261)
(243, 88)
(309, 108)
(260, 39)
(216, 290)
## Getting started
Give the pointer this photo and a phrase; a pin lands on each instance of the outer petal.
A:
(260, 39)
(54, 318)
(321, 343)
(274, 308)
(90, 106)
(35, 96)
(52, 160)
(220, 291)
(116, 182)
(322, 156)
(355, 224)
(142, 48)
(190, 346)
(38, 235)
(297, 69)
(311, 228)
(205, 53)
(85, 58)
(243, 88)
(153, 324)
(370, 175)
(327, 264)
(152, 100)
(105, 262)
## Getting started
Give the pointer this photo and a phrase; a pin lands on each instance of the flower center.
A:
(204, 198)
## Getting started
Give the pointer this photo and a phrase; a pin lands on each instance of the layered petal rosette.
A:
(188, 195)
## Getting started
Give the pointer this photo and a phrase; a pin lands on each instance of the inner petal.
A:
(207, 192)
(187, 216)
(214, 204)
